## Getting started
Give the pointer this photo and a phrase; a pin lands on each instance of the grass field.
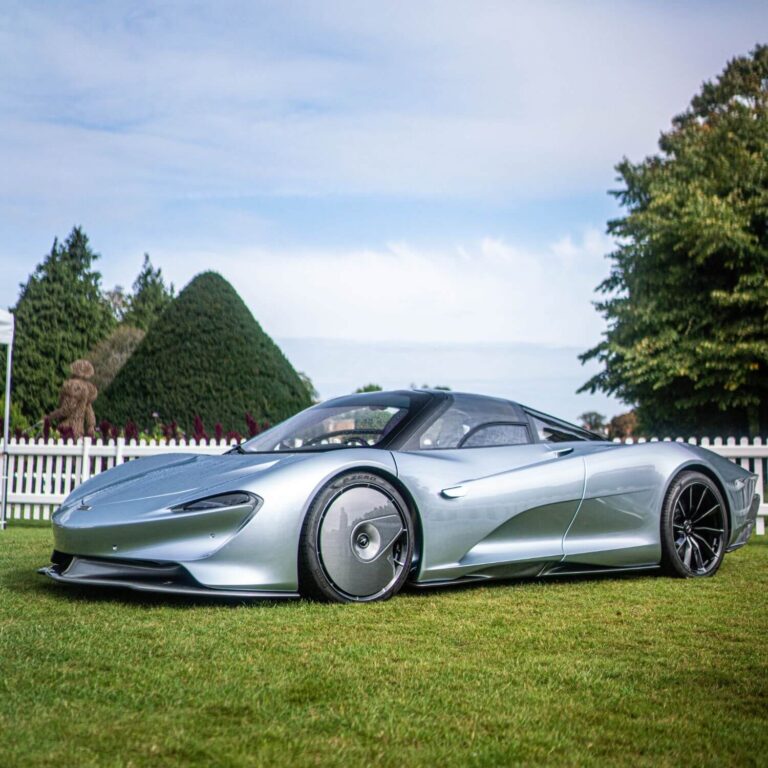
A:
(639, 670)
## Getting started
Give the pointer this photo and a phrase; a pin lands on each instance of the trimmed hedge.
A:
(204, 356)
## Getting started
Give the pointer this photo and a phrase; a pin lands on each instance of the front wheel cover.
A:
(357, 541)
(694, 527)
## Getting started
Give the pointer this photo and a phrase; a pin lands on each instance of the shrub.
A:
(205, 356)
(111, 354)
(18, 420)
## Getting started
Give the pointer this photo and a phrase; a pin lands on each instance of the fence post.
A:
(120, 448)
(4, 484)
(85, 460)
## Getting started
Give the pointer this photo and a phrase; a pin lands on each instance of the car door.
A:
(617, 524)
(490, 509)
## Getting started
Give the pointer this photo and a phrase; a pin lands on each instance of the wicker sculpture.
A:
(75, 412)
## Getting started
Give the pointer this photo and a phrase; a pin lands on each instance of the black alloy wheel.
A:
(694, 527)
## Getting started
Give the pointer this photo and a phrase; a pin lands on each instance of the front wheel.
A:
(694, 527)
(357, 541)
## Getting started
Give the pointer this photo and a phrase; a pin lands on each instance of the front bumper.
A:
(143, 576)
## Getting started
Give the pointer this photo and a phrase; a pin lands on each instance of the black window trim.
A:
(437, 404)
(582, 435)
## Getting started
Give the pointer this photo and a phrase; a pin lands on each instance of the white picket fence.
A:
(41, 475)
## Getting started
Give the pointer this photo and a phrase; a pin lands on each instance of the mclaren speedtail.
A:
(350, 499)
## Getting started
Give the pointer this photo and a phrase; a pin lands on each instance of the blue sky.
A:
(426, 172)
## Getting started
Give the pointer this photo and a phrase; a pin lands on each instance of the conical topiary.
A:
(204, 356)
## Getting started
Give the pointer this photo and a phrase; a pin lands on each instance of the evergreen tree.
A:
(312, 392)
(149, 298)
(204, 356)
(60, 315)
(111, 353)
(687, 298)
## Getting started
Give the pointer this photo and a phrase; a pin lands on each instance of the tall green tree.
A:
(205, 356)
(150, 297)
(60, 315)
(686, 301)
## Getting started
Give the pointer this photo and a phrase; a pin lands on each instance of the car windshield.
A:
(358, 421)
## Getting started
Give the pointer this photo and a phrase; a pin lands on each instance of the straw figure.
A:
(75, 412)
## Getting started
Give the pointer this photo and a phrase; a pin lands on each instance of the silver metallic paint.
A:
(521, 510)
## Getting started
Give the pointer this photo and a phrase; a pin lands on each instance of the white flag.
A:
(6, 327)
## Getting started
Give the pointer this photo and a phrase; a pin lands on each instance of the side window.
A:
(551, 431)
(489, 435)
(473, 422)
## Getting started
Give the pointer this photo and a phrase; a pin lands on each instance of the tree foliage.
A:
(623, 425)
(17, 419)
(149, 298)
(59, 316)
(593, 421)
(204, 356)
(368, 388)
(687, 298)
(111, 353)
(312, 392)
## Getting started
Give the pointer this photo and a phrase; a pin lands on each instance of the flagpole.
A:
(6, 424)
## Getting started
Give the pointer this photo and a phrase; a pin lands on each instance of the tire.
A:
(694, 527)
(357, 541)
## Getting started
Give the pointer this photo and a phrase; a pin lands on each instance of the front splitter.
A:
(169, 589)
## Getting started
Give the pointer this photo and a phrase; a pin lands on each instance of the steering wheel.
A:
(353, 439)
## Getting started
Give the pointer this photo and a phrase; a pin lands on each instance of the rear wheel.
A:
(694, 527)
(357, 541)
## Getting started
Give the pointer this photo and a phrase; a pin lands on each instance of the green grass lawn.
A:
(640, 670)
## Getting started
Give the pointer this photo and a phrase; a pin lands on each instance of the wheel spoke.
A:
(687, 555)
(705, 514)
(703, 494)
(705, 543)
(697, 556)
(707, 528)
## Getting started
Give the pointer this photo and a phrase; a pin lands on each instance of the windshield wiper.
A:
(236, 449)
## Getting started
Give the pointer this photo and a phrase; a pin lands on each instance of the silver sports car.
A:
(350, 499)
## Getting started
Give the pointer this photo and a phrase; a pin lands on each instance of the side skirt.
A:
(556, 569)
(576, 569)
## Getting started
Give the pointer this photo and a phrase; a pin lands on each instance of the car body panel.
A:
(506, 515)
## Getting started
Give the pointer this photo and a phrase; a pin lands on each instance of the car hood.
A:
(144, 487)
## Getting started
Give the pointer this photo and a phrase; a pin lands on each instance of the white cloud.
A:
(142, 120)
(487, 291)
(435, 98)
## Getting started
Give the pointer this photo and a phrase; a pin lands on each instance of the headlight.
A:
(247, 502)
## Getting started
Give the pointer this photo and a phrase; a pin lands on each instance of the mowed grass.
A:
(639, 670)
